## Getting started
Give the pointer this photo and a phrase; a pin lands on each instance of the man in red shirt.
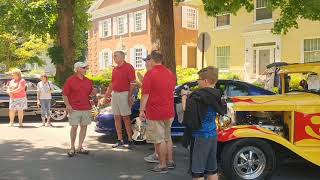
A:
(122, 87)
(76, 92)
(157, 106)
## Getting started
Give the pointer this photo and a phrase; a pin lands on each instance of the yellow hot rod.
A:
(265, 129)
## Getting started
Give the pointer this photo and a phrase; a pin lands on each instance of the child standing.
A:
(44, 90)
(200, 110)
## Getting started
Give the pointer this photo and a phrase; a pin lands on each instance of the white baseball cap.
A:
(78, 65)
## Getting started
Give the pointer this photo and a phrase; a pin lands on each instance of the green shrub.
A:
(229, 76)
(102, 79)
(186, 74)
(295, 81)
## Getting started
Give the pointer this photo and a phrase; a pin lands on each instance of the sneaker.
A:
(152, 158)
(131, 145)
(158, 169)
(119, 144)
(171, 165)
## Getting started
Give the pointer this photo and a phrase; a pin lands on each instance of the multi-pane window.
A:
(223, 57)
(105, 28)
(189, 17)
(223, 20)
(262, 12)
(311, 50)
(138, 21)
(121, 25)
(138, 58)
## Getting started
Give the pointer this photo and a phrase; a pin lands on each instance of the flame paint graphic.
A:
(307, 126)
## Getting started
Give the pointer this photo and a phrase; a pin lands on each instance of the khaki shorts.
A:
(81, 118)
(119, 104)
(158, 131)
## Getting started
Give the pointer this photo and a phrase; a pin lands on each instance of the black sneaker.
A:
(131, 145)
(119, 144)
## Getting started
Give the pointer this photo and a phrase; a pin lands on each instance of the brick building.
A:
(125, 25)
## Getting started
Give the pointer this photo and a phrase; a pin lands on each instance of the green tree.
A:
(65, 21)
(16, 51)
(290, 10)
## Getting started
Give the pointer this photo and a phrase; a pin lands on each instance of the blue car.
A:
(229, 88)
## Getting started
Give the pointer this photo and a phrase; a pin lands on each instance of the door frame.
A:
(257, 60)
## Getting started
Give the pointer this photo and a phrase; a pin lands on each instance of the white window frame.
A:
(104, 26)
(262, 21)
(133, 56)
(103, 64)
(124, 19)
(143, 21)
(229, 60)
(188, 21)
(303, 48)
(228, 26)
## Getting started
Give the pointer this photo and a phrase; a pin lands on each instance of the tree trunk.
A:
(65, 38)
(162, 30)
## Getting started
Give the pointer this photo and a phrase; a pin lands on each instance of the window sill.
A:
(224, 71)
(221, 28)
(106, 37)
(265, 21)
(192, 29)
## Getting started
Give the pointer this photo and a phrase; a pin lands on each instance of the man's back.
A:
(159, 83)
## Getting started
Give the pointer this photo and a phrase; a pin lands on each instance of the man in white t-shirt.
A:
(44, 90)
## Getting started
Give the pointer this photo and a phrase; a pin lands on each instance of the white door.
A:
(261, 58)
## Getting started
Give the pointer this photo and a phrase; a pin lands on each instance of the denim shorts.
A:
(45, 108)
(203, 158)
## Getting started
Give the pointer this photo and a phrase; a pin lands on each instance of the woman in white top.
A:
(44, 88)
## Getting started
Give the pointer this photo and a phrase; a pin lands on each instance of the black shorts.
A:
(203, 156)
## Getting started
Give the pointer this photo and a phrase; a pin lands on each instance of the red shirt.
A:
(159, 83)
(14, 85)
(122, 76)
(78, 91)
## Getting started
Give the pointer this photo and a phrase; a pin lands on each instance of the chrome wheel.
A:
(58, 115)
(249, 162)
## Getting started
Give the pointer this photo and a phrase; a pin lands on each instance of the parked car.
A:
(58, 108)
(229, 88)
(265, 130)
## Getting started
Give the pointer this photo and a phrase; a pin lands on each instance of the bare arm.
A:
(184, 101)
(17, 89)
(108, 91)
(143, 102)
(66, 102)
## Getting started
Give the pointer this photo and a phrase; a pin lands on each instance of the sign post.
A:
(204, 42)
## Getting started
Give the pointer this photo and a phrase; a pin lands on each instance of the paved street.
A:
(40, 153)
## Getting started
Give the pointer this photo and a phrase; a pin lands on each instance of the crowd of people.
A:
(156, 108)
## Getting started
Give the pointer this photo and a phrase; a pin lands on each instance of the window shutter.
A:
(144, 55)
(144, 20)
(132, 57)
(115, 26)
(109, 27)
(131, 22)
(100, 60)
(100, 29)
(125, 22)
(184, 16)
(110, 63)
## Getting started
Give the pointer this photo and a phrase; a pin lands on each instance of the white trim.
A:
(216, 57)
(265, 21)
(143, 20)
(107, 11)
(221, 28)
(185, 17)
(109, 28)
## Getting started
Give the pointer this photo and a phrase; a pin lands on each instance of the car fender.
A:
(251, 131)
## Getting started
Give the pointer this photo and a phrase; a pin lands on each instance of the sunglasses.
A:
(84, 67)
